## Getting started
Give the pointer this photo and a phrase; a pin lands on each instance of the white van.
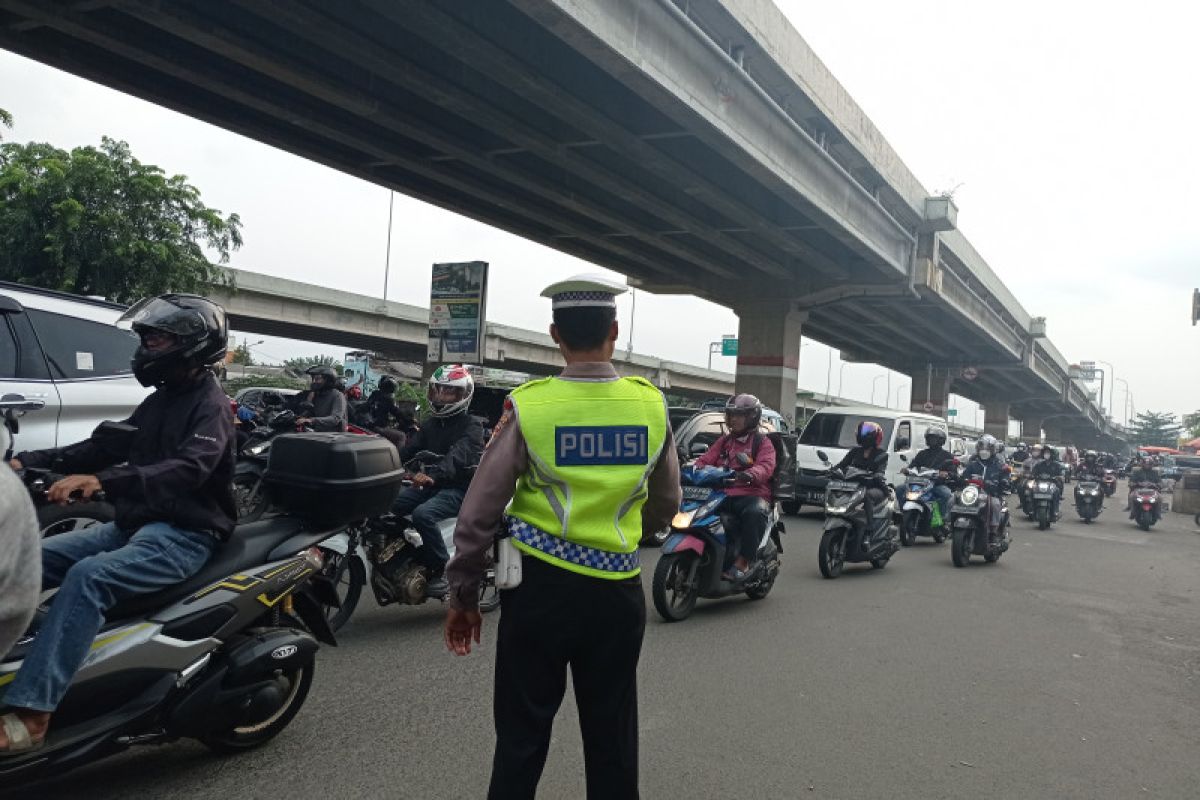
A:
(832, 431)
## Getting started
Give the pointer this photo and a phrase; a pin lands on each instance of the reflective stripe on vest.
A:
(592, 446)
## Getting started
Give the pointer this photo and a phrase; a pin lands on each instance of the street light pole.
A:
(711, 346)
(1112, 378)
(1125, 404)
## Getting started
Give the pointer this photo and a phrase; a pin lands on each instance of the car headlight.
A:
(969, 495)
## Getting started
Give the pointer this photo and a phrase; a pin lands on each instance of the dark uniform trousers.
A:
(555, 619)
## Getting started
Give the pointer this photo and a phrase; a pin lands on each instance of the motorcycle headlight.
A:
(913, 495)
(256, 449)
(683, 519)
(1029, 484)
(1043, 487)
(969, 495)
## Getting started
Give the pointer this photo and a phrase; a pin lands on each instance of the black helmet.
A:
(1091, 456)
(326, 373)
(935, 437)
(198, 325)
(745, 404)
(387, 384)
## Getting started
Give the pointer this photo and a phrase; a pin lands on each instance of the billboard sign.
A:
(457, 312)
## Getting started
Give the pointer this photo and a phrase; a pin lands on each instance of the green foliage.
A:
(301, 363)
(5, 120)
(410, 393)
(241, 355)
(1156, 428)
(234, 385)
(1191, 423)
(97, 221)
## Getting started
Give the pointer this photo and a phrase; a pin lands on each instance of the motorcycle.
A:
(968, 520)
(696, 552)
(1044, 497)
(249, 492)
(53, 518)
(1026, 487)
(1109, 482)
(1146, 508)
(922, 515)
(1089, 499)
(849, 536)
(383, 551)
(227, 656)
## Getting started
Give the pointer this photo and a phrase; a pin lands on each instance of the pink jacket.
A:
(723, 453)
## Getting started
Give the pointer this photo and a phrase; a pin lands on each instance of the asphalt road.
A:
(1070, 669)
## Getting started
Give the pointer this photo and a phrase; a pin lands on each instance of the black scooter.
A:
(849, 535)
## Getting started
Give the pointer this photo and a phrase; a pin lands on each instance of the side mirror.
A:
(902, 443)
(903, 457)
(821, 455)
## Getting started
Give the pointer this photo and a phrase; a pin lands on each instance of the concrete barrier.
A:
(1187, 494)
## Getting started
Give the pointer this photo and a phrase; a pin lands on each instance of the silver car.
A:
(64, 349)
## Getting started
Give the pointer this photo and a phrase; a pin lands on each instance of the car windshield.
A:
(837, 430)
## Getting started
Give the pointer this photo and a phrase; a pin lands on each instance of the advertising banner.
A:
(457, 312)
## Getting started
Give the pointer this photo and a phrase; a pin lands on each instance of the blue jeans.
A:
(426, 508)
(96, 568)
(943, 496)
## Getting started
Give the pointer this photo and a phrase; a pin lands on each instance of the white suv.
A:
(64, 349)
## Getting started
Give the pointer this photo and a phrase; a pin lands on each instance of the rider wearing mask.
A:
(869, 456)
(1145, 474)
(170, 476)
(438, 490)
(751, 456)
(1090, 467)
(992, 470)
(936, 456)
(328, 404)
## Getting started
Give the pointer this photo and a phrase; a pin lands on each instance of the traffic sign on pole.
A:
(953, 412)
(929, 407)
(729, 346)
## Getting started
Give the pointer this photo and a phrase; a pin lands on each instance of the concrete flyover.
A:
(697, 146)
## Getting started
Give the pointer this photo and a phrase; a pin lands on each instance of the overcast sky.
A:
(1070, 129)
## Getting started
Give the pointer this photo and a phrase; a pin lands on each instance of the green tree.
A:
(97, 221)
(5, 120)
(241, 355)
(302, 363)
(1156, 428)
(1191, 422)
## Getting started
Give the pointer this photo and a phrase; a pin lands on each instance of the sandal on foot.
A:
(19, 738)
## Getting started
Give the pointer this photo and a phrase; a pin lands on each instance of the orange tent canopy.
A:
(1151, 448)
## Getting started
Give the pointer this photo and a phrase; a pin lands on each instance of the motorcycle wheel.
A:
(879, 563)
(1144, 521)
(1043, 517)
(791, 506)
(1198, 519)
(348, 575)
(250, 506)
(760, 589)
(248, 737)
(960, 546)
(908, 528)
(55, 519)
(831, 555)
(939, 535)
(674, 597)
(992, 558)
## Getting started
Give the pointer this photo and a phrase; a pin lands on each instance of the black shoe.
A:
(437, 588)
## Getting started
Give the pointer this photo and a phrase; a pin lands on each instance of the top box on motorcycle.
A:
(330, 479)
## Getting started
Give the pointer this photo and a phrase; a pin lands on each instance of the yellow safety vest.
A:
(592, 446)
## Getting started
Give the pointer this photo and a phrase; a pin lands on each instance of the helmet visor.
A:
(163, 315)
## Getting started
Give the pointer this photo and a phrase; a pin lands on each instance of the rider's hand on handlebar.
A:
(62, 492)
(422, 480)
(16, 464)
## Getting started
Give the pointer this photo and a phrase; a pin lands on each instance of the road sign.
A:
(970, 373)
(729, 346)
(929, 407)
(952, 412)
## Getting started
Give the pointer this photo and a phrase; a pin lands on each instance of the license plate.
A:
(695, 493)
(841, 486)
(1042, 496)
(816, 496)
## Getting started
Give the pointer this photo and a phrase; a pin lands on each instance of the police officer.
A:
(589, 464)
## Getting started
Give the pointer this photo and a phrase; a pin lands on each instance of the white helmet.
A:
(987, 442)
(453, 376)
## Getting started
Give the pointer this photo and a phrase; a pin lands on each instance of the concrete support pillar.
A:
(1054, 432)
(769, 353)
(931, 391)
(1031, 427)
(995, 419)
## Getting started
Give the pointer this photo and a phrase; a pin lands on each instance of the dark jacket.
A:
(1150, 477)
(329, 409)
(1084, 469)
(382, 409)
(179, 466)
(857, 458)
(458, 439)
(1047, 469)
(933, 458)
(992, 472)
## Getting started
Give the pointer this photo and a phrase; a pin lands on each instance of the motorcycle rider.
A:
(1089, 467)
(438, 491)
(1047, 467)
(171, 480)
(992, 470)
(869, 455)
(750, 495)
(935, 456)
(1145, 475)
(20, 563)
(387, 418)
(328, 404)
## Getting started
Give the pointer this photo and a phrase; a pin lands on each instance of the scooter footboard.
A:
(679, 542)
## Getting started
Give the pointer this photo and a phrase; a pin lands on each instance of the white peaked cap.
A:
(584, 291)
